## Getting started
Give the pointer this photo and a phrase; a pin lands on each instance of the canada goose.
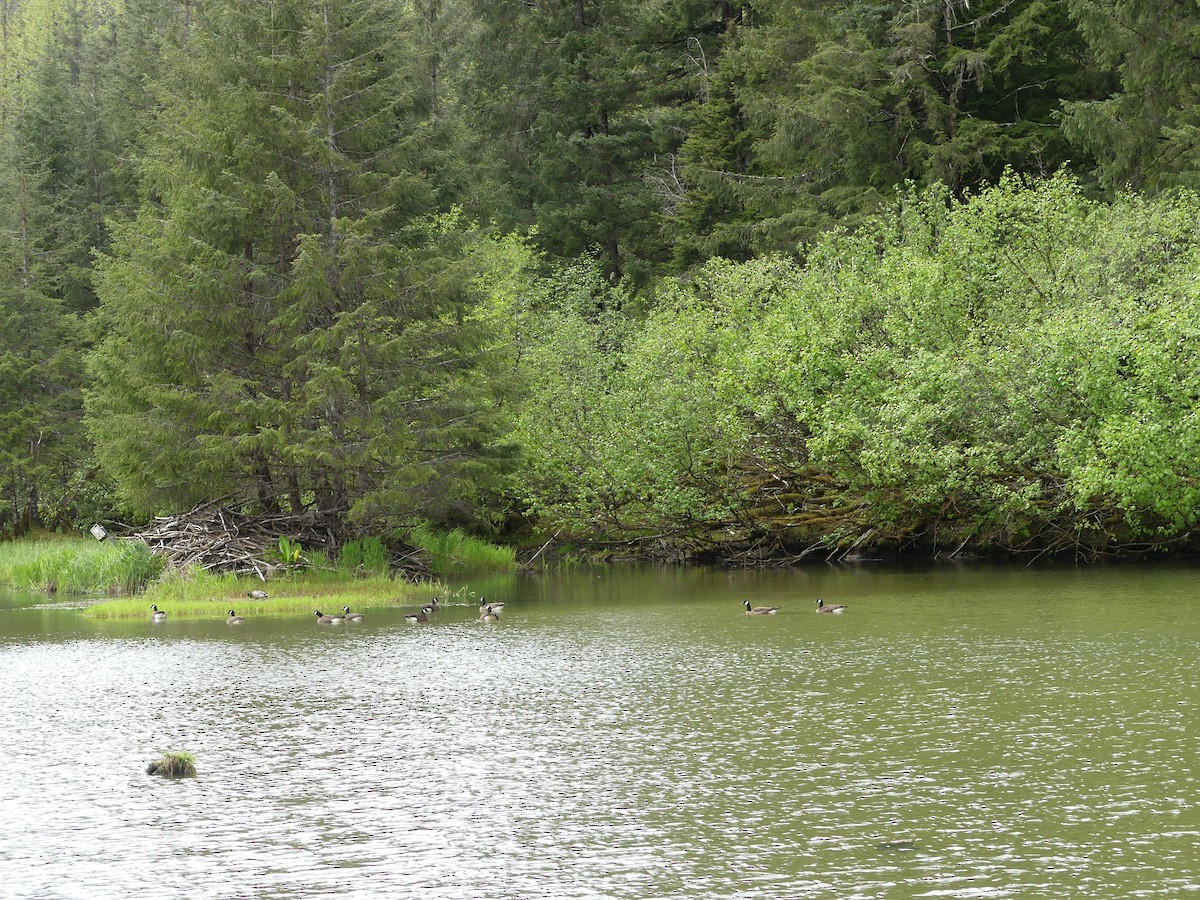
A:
(327, 620)
(257, 595)
(489, 616)
(351, 617)
(485, 607)
(157, 614)
(835, 608)
(234, 619)
(420, 616)
(759, 610)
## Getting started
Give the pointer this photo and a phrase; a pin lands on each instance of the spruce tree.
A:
(40, 405)
(133, 56)
(1145, 134)
(572, 129)
(283, 324)
(55, 190)
(572, 98)
(843, 105)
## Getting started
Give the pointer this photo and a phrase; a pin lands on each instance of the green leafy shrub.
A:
(1017, 370)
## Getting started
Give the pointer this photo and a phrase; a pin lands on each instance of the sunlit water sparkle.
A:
(623, 736)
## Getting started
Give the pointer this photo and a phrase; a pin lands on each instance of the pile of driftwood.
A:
(219, 539)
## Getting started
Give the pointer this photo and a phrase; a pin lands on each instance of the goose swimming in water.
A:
(834, 608)
(759, 610)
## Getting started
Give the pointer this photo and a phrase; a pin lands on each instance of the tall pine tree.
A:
(40, 405)
(843, 104)
(552, 87)
(282, 324)
(1145, 134)
(55, 190)
(575, 102)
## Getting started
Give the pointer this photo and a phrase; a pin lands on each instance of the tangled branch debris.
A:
(218, 539)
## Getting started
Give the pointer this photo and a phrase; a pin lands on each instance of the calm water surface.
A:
(976, 732)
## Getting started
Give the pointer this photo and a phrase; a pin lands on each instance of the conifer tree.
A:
(573, 98)
(565, 108)
(55, 190)
(284, 325)
(843, 105)
(67, 132)
(705, 203)
(1145, 134)
(133, 56)
(40, 405)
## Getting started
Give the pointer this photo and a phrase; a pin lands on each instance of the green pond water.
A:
(970, 731)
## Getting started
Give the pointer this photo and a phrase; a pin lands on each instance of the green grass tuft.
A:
(77, 565)
(174, 764)
(456, 552)
(364, 557)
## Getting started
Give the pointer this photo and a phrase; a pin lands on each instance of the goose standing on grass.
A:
(156, 614)
(759, 610)
(257, 595)
(327, 620)
(833, 608)
(234, 619)
(351, 617)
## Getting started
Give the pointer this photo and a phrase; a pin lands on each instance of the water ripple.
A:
(629, 750)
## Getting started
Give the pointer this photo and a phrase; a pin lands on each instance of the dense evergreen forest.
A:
(740, 280)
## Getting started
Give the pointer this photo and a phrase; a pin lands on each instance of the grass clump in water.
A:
(77, 565)
(174, 764)
(197, 594)
(457, 551)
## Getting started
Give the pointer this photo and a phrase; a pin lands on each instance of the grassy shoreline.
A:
(77, 565)
(203, 596)
(132, 579)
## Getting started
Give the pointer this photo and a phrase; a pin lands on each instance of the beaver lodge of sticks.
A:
(218, 539)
